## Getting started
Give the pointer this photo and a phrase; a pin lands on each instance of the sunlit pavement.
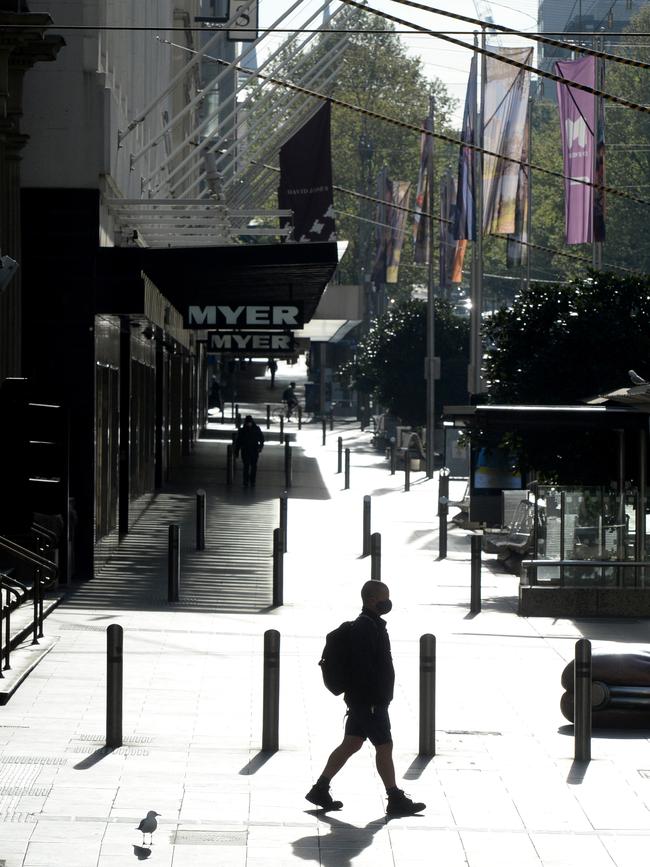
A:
(502, 789)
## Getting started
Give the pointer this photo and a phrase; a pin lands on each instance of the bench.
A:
(512, 547)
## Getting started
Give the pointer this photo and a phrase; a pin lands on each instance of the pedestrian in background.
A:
(273, 367)
(369, 684)
(249, 442)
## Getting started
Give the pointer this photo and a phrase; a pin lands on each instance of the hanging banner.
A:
(577, 122)
(306, 180)
(420, 224)
(400, 196)
(516, 249)
(504, 132)
(447, 242)
(390, 228)
(465, 217)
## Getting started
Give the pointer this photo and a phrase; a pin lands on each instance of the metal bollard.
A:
(427, 695)
(475, 593)
(366, 526)
(281, 428)
(278, 569)
(393, 457)
(173, 563)
(271, 691)
(407, 470)
(582, 701)
(230, 464)
(324, 426)
(339, 454)
(299, 417)
(114, 681)
(284, 499)
(238, 420)
(443, 511)
(268, 416)
(331, 418)
(346, 485)
(200, 519)
(375, 557)
(288, 470)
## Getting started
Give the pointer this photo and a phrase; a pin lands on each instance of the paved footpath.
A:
(502, 790)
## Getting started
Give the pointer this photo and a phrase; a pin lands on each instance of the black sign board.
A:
(251, 343)
(244, 316)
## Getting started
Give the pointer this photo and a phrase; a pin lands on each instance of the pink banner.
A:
(577, 121)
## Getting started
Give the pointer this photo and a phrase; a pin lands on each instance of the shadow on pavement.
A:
(341, 846)
(257, 762)
(417, 767)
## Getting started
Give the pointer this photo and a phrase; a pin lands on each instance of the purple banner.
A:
(577, 122)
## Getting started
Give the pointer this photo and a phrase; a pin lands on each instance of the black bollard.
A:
(284, 499)
(407, 470)
(230, 464)
(114, 681)
(173, 563)
(475, 593)
(324, 426)
(375, 557)
(427, 695)
(200, 520)
(366, 526)
(271, 692)
(268, 416)
(443, 511)
(238, 420)
(339, 455)
(393, 457)
(331, 418)
(278, 569)
(582, 701)
(281, 428)
(299, 417)
(346, 485)
(288, 470)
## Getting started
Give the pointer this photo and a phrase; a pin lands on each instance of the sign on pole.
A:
(247, 18)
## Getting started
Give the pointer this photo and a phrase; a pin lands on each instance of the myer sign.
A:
(266, 343)
(244, 316)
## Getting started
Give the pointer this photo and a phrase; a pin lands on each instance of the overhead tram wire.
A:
(542, 73)
(537, 37)
(414, 128)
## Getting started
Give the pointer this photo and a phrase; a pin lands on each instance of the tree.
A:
(390, 359)
(562, 344)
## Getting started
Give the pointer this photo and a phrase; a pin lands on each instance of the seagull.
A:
(148, 825)
(636, 379)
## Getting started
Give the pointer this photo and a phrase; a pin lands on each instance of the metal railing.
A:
(529, 572)
(44, 574)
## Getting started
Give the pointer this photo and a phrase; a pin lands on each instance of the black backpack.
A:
(334, 661)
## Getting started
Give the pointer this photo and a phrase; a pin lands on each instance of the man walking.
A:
(249, 442)
(368, 692)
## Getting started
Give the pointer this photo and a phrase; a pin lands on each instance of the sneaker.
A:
(400, 805)
(320, 795)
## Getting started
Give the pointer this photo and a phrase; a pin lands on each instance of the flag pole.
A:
(529, 192)
(596, 245)
(476, 351)
(431, 349)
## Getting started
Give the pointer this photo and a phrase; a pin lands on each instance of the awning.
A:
(252, 273)
(500, 418)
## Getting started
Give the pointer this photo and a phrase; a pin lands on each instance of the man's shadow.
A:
(323, 850)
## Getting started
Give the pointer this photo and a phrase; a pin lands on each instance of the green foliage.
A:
(390, 359)
(562, 344)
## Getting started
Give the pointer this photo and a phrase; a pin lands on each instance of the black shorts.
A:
(369, 722)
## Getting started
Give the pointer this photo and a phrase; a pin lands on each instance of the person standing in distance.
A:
(368, 693)
(249, 442)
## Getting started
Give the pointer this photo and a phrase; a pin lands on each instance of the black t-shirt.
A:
(372, 676)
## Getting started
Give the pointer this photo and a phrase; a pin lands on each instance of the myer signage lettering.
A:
(244, 316)
(250, 342)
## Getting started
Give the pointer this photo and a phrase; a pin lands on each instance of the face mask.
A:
(383, 606)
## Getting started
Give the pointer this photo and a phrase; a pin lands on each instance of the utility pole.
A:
(431, 365)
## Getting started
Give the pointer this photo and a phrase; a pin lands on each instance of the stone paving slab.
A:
(503, 788)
